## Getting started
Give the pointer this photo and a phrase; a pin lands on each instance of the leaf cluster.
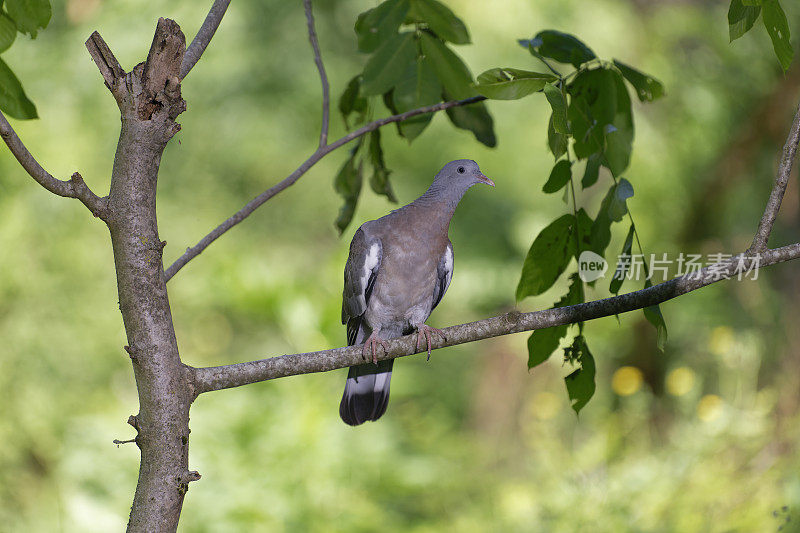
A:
(19, 16)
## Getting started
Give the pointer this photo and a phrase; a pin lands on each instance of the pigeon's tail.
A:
(366, 393)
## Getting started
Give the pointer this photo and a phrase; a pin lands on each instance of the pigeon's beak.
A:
(484, 179)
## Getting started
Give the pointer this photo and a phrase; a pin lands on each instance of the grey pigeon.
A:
(398, 269)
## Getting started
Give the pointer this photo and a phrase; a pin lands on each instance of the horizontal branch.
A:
(779, 188)
(204, 35)
(72, 188)
(227, 376)
(290, 180)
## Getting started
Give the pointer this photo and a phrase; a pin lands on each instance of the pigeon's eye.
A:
(460, 170)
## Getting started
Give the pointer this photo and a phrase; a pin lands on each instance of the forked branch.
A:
(71, 188)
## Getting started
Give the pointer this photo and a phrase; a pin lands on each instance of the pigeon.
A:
(398, 270)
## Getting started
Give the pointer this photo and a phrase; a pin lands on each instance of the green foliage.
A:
(778, 29)
(380, 174)
(742, 15)
(12, 97)
(411, 66)
(562, 47)
(558, 102)
(440, 20)
(559, 177)
(29, 15)
(580, 383)
(511, 83)
(419, 87)
(348, 184)
(623, 265)
(547, 258)
(387, 66)
(543, 342)
(23, 16)
(378, 25)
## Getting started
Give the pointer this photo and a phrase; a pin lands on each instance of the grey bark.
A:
(149, 99)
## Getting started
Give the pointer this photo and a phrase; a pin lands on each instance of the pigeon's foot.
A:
(424, 332)
(371, 344)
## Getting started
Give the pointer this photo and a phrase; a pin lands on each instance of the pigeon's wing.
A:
(360, 273)
(444, 273)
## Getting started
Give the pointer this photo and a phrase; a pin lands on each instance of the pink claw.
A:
(370, 345)
(424, 331)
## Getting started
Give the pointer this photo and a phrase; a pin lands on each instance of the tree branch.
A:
(312, 37)
(72, 188)
(290, 180)
(112, 72)
(779, 188)
(227, 376)
(204, 35)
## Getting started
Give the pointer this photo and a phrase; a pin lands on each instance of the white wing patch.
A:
(448, 266)
(371, 261)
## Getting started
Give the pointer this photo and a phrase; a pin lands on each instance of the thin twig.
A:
(290, 180)
(72, 188)
(203, 37)
(312, 36)
(227, 376)
(779, 188)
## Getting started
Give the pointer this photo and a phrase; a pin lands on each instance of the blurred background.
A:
(700, 438)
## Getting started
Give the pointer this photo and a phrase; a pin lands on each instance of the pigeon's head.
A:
(461, 174)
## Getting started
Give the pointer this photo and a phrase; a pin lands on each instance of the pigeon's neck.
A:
(441, 197)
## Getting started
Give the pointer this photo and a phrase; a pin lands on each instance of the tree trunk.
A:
(149, 99)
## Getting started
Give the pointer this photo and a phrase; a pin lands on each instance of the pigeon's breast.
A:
(403, 293)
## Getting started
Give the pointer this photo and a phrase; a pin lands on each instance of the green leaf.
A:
(618, 207)
(557, 142)
(388, 64)
(380, 175)
(619, 134)
(612, 209)
(475, 118)
(647, 87)
(592, 171)
(623, 265)
(419, 87)
(580, 384)
(542, 343)
(778, 29)
(29, 15)
(456, 79)
(574, 295)
(558, 103)
(741, 18)
(593, 105)
(440, 19)
(351, 102)
(511, 83)
(8, 32)
(449, 68)
(654, 316)
(547, 258)
(559, 177)
(348, 184)
(562, 47)
(375, 26)
(13, 100)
